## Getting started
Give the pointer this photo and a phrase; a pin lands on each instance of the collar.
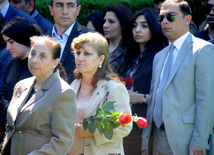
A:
(5, 9)
(66, 33)
(179, 42)
(34, 13)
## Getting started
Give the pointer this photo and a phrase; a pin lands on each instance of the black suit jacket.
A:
(67, 59)
(13, 12)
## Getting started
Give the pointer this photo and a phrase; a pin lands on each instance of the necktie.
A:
(162, 85)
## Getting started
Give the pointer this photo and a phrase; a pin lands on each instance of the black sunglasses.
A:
(208, 8)
(170, 17)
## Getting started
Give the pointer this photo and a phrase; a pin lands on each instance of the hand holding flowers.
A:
(107, 118)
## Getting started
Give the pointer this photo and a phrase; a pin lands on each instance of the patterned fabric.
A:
(82, 104)
(117, 59)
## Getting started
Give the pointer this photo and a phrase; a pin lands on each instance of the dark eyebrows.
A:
(69, 3)
(144, 22)
(9, 39)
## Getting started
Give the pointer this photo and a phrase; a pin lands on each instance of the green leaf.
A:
(99, 126)
(92, 127)
(116, 114)
(114, 125)
(108, 133)
(85, 124)
(109, 106)
(98, 111)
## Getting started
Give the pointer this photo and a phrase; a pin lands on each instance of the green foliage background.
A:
(88, 6)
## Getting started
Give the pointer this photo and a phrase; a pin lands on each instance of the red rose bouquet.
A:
(128, 81)
(107, 118)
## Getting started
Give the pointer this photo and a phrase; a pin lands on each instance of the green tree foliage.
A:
(89, 6)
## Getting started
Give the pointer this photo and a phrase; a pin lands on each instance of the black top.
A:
(203, 35)
(142, 79)
(118, 58)
(16, 70)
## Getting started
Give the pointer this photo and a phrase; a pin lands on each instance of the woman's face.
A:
(111, 26)
(87, 60)
(141, 31)
(16, 49)
(40, 61)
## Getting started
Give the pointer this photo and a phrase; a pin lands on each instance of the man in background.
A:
(29, 7)
(208, 34)
(66, 28)
(9, 12)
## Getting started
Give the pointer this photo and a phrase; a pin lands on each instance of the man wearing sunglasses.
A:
(208, 34)
(181, 108)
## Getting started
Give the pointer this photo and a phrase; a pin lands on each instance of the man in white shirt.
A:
(66, 28)
(180, 111)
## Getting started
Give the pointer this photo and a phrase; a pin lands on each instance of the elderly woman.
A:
(16, 34)
(43, 107)
(95, 83)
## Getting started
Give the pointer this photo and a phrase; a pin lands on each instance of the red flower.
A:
(125, 119)
(128, 80)
(142, 122)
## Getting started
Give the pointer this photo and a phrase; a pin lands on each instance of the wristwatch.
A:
(144, 99)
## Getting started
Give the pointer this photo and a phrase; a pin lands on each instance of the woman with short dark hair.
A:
(43, 107)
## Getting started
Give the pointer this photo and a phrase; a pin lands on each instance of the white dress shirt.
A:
(177, 43)
(62, 40)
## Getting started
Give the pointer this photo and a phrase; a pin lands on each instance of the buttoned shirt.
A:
(177, 43)
(62, 40)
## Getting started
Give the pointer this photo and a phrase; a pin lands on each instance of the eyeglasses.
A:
(209, 8)
(170, 17)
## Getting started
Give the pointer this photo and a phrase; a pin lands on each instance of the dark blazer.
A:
(16, 70)
(45, 24)
(5, 56)
(13, 12)
(142, 82)
(118, 58)
(203, 35)
(67, 59)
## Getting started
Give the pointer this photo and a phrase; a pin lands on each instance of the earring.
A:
(100, 66)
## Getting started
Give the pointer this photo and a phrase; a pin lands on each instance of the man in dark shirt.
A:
(9, 12)
(29, 7)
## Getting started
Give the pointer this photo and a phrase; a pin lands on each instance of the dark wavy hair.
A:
(123, 14)
(158, 41)
(20, 30)
(96, 19)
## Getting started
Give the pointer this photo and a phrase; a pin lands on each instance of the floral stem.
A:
(107, 116)
(20, 138)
